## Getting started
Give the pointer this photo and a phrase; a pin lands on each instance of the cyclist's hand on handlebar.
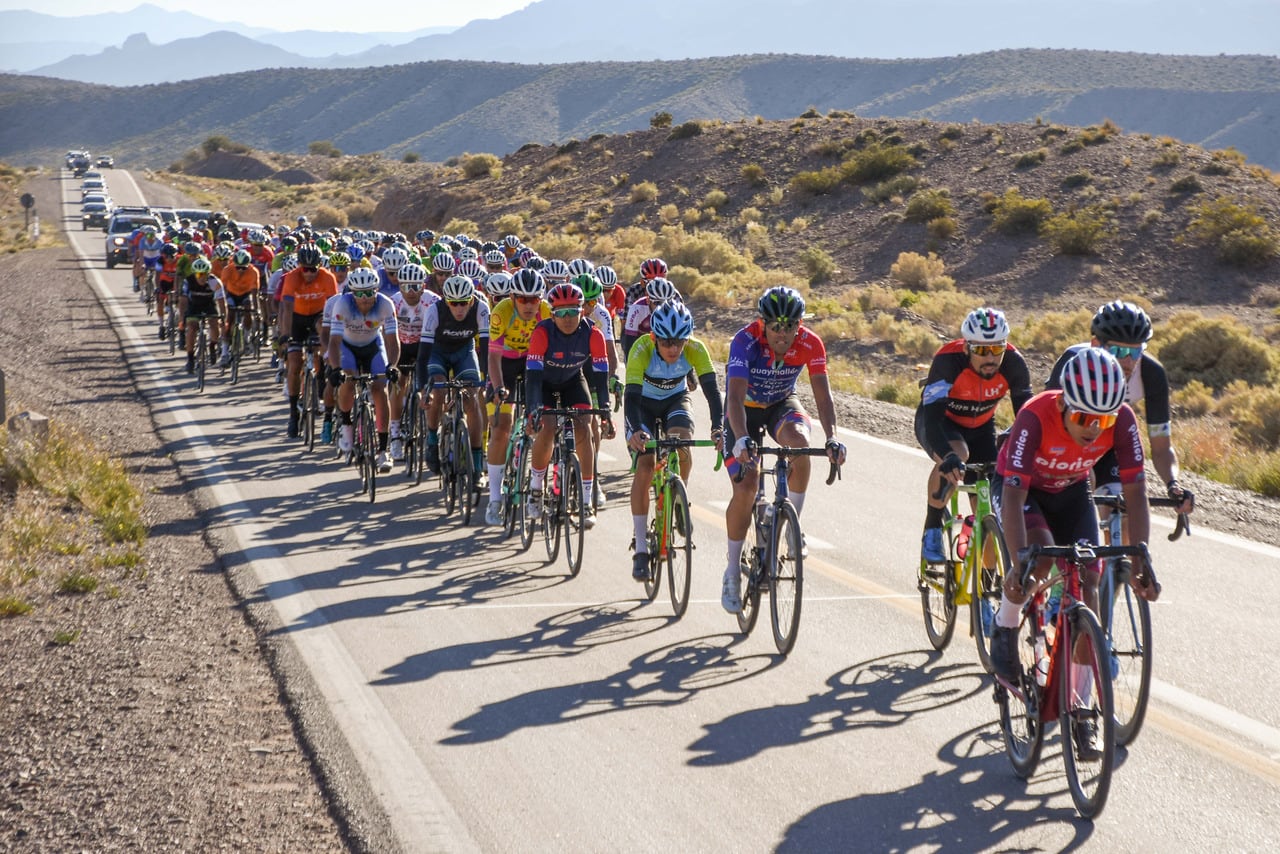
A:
(1144, 580)
(744, 449)
(952, 468)
(1186, 496)
(607, 430)
(393, 374)
(836, 452)
(638, 440)
(533, 423)
(335, 377)
(717, 436)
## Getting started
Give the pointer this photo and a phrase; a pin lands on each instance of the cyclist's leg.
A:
(790, 427)
(466, 368)
(737, 515)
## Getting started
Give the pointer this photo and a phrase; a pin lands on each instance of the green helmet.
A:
(590, 287)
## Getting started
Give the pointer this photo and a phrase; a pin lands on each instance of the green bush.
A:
(1079, 232)
(1077, 179)
(1239, 232)
(816, 183)
(660, 120)
(686, 130)
(818, 265)
(899, 186)
(1028, 159)
(222, 143)
(876, 162)
(1186, 184)
(928, 205)
(480, 165)
(715, 200)
(1015, 214)
(952, 132)
(411, 157)
(1215, 351)
(942, 228)
(324, 148)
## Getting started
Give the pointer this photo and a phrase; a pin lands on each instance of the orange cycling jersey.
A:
(308, 298)
(239, 282)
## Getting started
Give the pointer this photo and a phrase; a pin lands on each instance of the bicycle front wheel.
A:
(524, 493)
(551, 493)
(786, 577)
(988, 570)
(1020, 721)
(1085, 703)
(363, 462)
(202, 358)
(1128, 634)
(447, 465)
(420, 438)
(750, 573)
(464, 473)
(575, 514)
(370, 448)
(938, 601)
(171, 325)
(679, 547)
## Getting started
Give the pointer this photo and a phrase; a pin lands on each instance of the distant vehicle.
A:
(93, 173)
(93, 185)
(193, 214)
(124, 221)
(168, 216)
(80, 163)
(94, 215)
(106, 160)
(96, 198)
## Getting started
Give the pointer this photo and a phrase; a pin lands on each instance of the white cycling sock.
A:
(641, 525)
(495, 482)
(587, 488)
(797, 500)
(395, 429)
(1010, 613)
(538, 477)
(735, 554)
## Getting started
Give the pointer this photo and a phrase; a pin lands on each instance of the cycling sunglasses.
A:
(309, 269)
(784, 325)
(988, 349)
(527, 300)
(1091, 419)
(1120, 351)
(364, 293)
(458, 302)
(411, 287)
(567, 312)
(670, 342)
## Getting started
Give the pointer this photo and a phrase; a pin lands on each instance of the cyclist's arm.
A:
(824, 402)
(735, 409)
(1018, 376)
(1012, 498)
(1139, 515)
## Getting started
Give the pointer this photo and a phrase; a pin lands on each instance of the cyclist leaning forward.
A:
(201, 298)
(511, 325)
(566, 356)
(363, 340)
(455, 330)
(765, 360)
(411, 312)
(656, 390)
(303, 292)
(240, 283)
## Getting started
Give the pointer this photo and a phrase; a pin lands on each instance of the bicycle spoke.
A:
(987, 580)
(1085, 702)
(679, 548)
(1020, 723)
(786, 579)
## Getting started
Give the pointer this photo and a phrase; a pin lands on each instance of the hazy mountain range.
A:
(99, 48)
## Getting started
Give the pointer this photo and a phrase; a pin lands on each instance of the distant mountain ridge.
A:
(441, 109)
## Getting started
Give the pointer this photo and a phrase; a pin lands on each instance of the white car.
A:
(93, 185)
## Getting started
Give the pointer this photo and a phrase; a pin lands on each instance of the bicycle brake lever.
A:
(1183, 526)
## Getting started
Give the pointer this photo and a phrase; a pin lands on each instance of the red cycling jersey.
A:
(1040, 453)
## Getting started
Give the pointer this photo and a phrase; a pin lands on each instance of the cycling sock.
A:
(382, 442)
(1082, 682)
(1010, 613)
(495, 482)
(735, 553)
(537, 478)
(293, 405)
(395, 429)
(345, 417)
(797, 500)
(587, 486)
(433, 438)
(477, 460)
(328, 415)
(932, 517)
(641, 525)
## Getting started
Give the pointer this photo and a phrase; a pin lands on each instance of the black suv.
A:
(124, 221)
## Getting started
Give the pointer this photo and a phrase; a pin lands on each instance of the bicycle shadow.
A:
(881, 692)
(977, 804)
(665, 677)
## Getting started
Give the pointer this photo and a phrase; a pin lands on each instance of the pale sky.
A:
(340, 15)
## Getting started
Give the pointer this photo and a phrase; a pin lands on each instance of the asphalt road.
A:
(495, 704)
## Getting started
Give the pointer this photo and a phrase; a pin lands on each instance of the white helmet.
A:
(498, 285)
(985, 326)
(458, 288)
(1093, 382)
(363, 279)
(393, 258)
(660, 290)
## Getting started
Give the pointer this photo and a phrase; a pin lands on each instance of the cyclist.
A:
(393, 258)
(363, 339)
(303, 292)
(442, 267)
(147, 252)
(653, 268)
(765, 360)
(455, 330)
(599, 316)
(201, 301)
(955, 421)
(511, 324)
(656, 390)
(165, 278)
(566, 358)
(1123, 330)
(614, 297)
(411, 310)
(656, 291)
(240, 283)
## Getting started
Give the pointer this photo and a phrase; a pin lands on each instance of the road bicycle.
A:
(413, 431)
(148, 285)
(1126, 621)
(171, 322)
(563, 511)
(515, 471)
(773, 554)
(457, 464)
(236, 346)
(1065, 675)
(309, 398)
(364, 442)
(974, 571)
(202, 353)
(670, 533)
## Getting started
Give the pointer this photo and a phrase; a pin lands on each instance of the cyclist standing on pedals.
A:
(411, 311)
(363, 339)
(955, 421)
(765, 360)
(1041, 490)
(511, 326)
(1123, 330)
(303, 292)
(240, 282)
(566, 357)
(455, 330)
(656, 391)
(200, 303)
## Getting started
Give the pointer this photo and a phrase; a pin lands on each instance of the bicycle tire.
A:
(937, 584)
(171, 325)
(575, 514)
(750, 571)
(653, 540)
(446, 463)
(234, 366)
(363, 464)
(308, 404)
(524, 493)
(988, 584)
(420, 433)
(1128, 632)
(1020, 723)
(786, 577)
(202, 357)
(370, 448)
(464, 480)
(679, 547)
(551, 521)
(1089, 781)
(509, 490)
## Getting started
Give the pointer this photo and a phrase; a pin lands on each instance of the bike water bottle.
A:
(1042, 662)
(568, 435)
(962, 541)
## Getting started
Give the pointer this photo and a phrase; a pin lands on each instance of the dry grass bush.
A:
(1052, 332)
(328, 216)
(1215, 351)
(509, 223)
(1079, 232)
(645, 191)
(1239, 232)
(458, 225)
(481, 165)
(559, 245)
(1210, 447)
(1193, 400)
(876, 162)
(816, 183)
(908, 339)
(1015, 214)
(818, 264)
(927, 205)
(686, 130)
(757, 242)
(897, 187)
(1253, 412)
(1028, 159)
(715, 200)
(753, 174)
(693, 216)
(669, 214)
(921, 273)
(942, 228)
(945, 308)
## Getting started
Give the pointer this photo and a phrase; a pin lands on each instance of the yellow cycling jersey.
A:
(509, 333)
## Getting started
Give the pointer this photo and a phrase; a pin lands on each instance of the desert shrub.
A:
(876, 162)
(1151, 217)
(568, 145)
(693, 216)
(908, 339)
(1186, 184)
(480, 165)
(929, 204)
(645, 191)
(945, 307)
(360, 213)
(222, 143)
(328, 216)
(1193, 400)
(509, 223)
(1253, 412)
(557, 245)
(538, 205)
(753, 174)
(1239, 232)
(921, 273)
(686, 130)
(818, 264)
(660, 120)
(815, 183)
(1028, 159)
(757, 242)
(1079, 232)
(619, 180)
(1052, 332)
(899, 186)
(1015, 214)
(1214, 351)
(458, 225)
(324, 148)
(942, 228)
(749, 215)
(669, 214)
(715, 199)
(1071, 146)
(1098, 134)
(1166, 159)
(831, 147)
(411, 157)
(951, 132)
(1077, 179)
(707, 251)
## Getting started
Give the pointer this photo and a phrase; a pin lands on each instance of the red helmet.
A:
(565, 296)
(654, 268)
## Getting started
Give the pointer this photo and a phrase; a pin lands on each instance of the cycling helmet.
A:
(339, 259)
(565, 296)
(437, 249)
(355, 253)
(511, 241)
(1123, 322)
(426, 237)
(191, 248)
(654, 268)
(536, 262)
(393, 258)
(527, 283)
(458, 288)
(289, 264)
(242, 258)
(470, 268)
(412, 274)
(367, 245)
(363, 279)
(468, 253)
(487, 246)
(169, 250)
(495, 258)
(498, 285)
(578, 266)
(288, 243)
(524, 255)
(660, 290)
(149, 231)
(257, 237)
(671, 320)
(443, 263)
(342, 244)
(303, 221)
(1093, 382)
(606, 277)
(305, 235)
(201, 265)
(780, 303)
(462, 237)
(309, 256)
(556, 271)
(590, 287)
(985, 326)
(223, 250)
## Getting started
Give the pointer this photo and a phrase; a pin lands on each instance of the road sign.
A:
(27, 200)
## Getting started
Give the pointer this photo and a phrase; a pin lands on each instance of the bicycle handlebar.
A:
(673, 443)
(572, 412)
(832, 475)
(982, 471)
(1082, 553)
(1116, 502)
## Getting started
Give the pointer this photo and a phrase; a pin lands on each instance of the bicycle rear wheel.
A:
(1128, 634)
(363, 463)
(310, 404)
(509, 490)
(786, 578)
(653, 539)
(679, 548)
(551, 518)
(1085, 699)
(575, 514)
(524, 493)
(446, 464)
(464, 480)
(420, 437)
(1020, 721)
(171, 325)
(990, 567)
(750, 573)
(202, 358)
(937, 583)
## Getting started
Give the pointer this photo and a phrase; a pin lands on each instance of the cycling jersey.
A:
(1040, 454)
(599, 315)
(443, 332)
(771, 379)
(637, 319)
(557, 359)
(1147, 383)
(240, 282)
(651, 377)
(409, 317)
(955, 394)
(615, 299)
(508, 332)
(309, 297)
(356, 328)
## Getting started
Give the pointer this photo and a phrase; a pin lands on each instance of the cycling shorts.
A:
(1069, 516)
(981, 440)
(674, 412)
(463, 365)
(408, 356)
(368, 358)
(761, 418)
(244, 301)
(304, 326)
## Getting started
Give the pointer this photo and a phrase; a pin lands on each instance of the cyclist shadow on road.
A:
(667, 676)
(976, 805)
(882, 692)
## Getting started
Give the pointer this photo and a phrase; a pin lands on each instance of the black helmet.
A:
(780, 303)
(1123, 322)
(308, 256)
